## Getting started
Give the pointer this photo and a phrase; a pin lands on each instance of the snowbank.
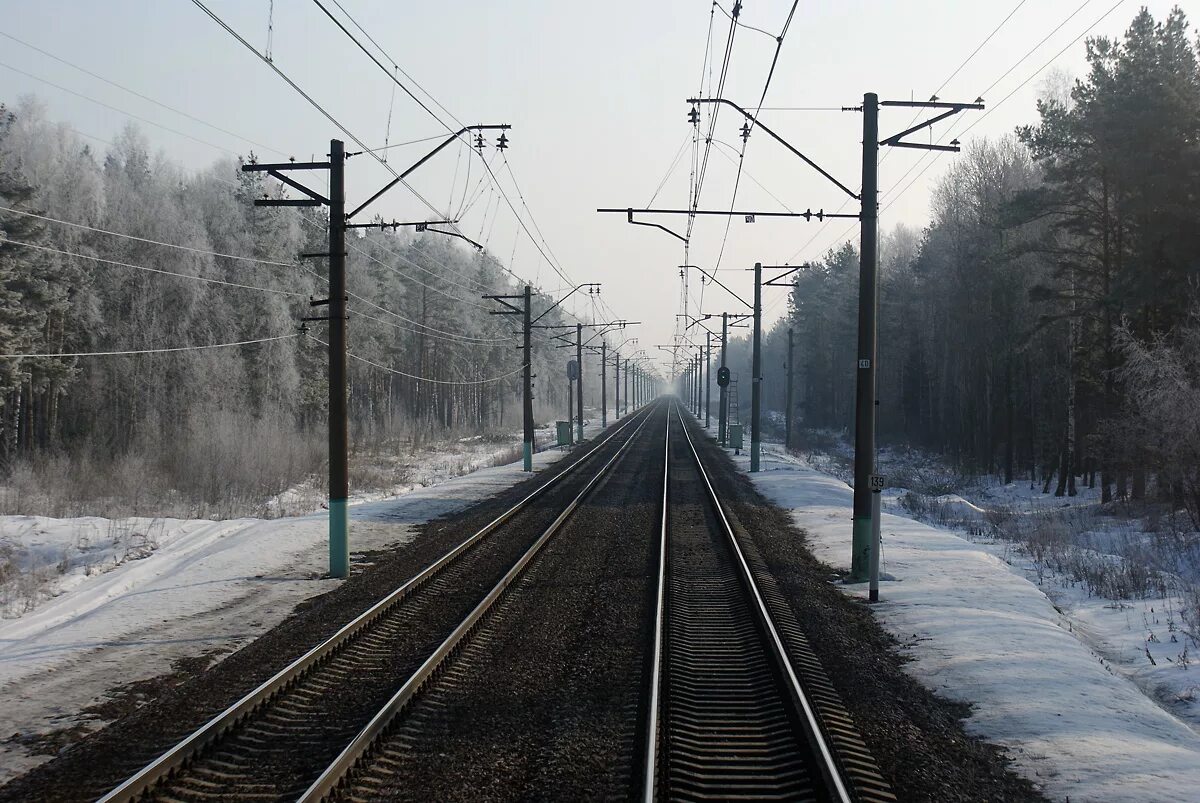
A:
(981, 633)
(185, 589)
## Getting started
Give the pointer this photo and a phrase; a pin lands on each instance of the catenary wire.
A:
(926, 160)
(742, 24)
(153, 270)
(930, 158)
(1015, 89)
(152, 351)
(450, 338)
(147, 240)
(373, 364)
(119, 111)
(337, 124)
(135, 93)
(425, 326)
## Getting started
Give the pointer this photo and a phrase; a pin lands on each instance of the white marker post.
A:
(877, 484)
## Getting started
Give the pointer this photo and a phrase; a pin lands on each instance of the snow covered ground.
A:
(1051, 678)
(129, 598)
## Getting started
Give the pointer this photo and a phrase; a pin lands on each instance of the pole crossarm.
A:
(513, 309)
(629, 214)
(396, 224)
(719, 283)
(574, 290)
(896, 140)
(749, 216)
(277, 171)
(694, 321)
(776, 281)
(605, 328)
(422, 161)
(781, 141)
(263, 167)
(425, 227)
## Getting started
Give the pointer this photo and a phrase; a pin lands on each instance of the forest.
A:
(116, 248)
(1045, 322)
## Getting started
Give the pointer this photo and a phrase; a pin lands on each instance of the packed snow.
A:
(124, 600)
(1059, 678)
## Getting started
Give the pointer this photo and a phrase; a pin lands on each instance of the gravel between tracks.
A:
(89, 768)
(916, 737)
(543, 702)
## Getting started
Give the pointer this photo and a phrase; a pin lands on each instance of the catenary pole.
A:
(627, 386)
(603, 383)
(707, 379)
(723, 399)
(756, 374)
(339, 475)
(791, 370)
(617, 385)
(527, 381)
(868, 307)
(579, 381)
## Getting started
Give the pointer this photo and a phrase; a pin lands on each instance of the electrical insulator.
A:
(694, 116)
(745, 131)
(502, 143)
(479, 141)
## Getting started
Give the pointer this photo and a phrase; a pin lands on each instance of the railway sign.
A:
(877, 482)
(572, 370)
(722, 377)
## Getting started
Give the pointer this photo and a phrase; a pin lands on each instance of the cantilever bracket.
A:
(629, 212)
(426, 227)
(896, 140)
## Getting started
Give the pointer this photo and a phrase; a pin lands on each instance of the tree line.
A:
(1040, 325)
(117, 248)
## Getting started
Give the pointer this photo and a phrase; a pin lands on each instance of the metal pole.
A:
(627, 386)
(339, 481)
(570, 411)
(579, 379)
(527, 382)
(791, 368)
(756, 373)
(603, 383)
(617, 385)
(873, 588)
(868, 302)
(707, 379)
(723, 399)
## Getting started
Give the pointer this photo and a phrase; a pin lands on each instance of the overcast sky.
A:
(595, 92)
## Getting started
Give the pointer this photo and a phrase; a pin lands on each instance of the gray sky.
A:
(595, 93)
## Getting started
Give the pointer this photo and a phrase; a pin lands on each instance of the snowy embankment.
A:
(979, 632)
(128, 599)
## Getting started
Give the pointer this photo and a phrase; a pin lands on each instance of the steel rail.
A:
(336, 772)
(177, 757)
(650, 775)
(830, 769)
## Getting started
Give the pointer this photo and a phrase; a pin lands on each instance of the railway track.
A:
(328, 707)
(731, 713)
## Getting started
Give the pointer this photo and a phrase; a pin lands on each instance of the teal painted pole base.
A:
(755, 455)
(339, 539)
(528, 456)
(860, 560)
